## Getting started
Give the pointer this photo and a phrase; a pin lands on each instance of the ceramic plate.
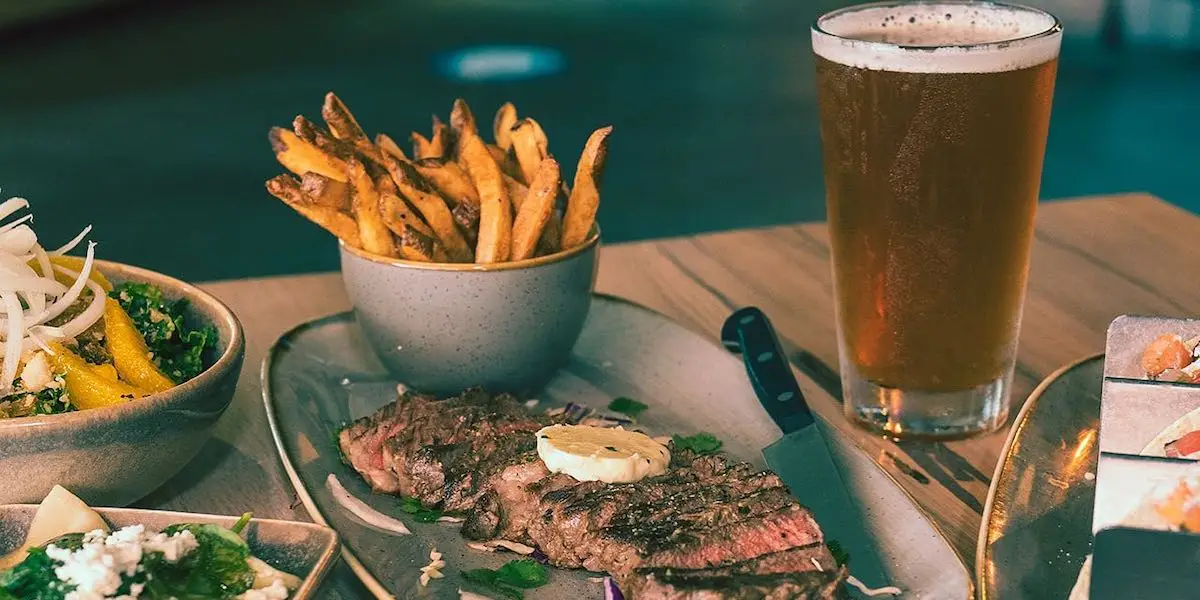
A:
(1037, 524)
(321, 375)
(302, 549)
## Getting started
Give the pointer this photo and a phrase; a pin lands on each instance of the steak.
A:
(709, 528)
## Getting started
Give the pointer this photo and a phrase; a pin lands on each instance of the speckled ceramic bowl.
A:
(440, 328)
(116, 455)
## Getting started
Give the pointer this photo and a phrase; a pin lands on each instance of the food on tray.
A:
(696, 524)
(458, 199)
(74, 341)
(1169, 357)
(70, 552)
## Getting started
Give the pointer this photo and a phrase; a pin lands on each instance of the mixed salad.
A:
(71, 340)
(185, 561)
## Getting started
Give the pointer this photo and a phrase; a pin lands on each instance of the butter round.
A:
(608, 454)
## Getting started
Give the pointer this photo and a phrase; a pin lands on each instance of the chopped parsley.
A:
(48, 401)
(701, 443)
(839, 553)
(627, 406)
(510, 579)
(179, 350)
(418, 511)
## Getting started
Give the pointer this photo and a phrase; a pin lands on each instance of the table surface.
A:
(1093, 259)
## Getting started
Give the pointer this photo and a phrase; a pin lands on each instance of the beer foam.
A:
(937, 38)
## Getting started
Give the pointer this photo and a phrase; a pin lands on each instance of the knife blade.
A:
(802, 457)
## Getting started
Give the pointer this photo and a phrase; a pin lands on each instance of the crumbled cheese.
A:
(276, 591)
(95, 569)
(35, 375)
(433, 570)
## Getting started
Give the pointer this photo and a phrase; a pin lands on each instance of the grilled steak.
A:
(709, 528)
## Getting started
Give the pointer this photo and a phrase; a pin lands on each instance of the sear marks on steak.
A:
(709, 528)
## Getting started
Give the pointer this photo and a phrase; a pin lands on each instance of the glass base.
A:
(916, 414)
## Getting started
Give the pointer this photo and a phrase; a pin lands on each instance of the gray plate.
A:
(302, 549)
(1037, 524)
(322, 374)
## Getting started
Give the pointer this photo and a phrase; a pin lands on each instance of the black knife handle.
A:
(769, 370)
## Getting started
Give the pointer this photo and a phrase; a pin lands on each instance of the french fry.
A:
(332, 220)
(398, 216)
(495, 209)
(432, 207)
(319, 137)
(415, 245)
(466, 215)
(341, 121)
(462, 120)
(300, 157)
(364, 202)
(551, 240)
(539, 137)
(389, 146)
(323, 191)
(502, 125)
(516, 191)
(585, 193)
(449, 180)
(442, 139)
(498, 155)
(422, 147)
(535, 211)
(526, 149)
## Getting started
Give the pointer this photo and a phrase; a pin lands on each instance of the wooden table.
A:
(1093, 259)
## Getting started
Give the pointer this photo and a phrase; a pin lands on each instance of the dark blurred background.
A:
(149, 119)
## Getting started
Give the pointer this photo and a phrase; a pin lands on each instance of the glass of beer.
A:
(933, 125)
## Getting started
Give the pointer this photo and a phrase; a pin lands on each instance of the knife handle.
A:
(769, 370)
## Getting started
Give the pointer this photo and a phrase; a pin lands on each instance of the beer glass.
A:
(933, 125)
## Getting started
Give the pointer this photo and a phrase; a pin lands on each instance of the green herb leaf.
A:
(627, 406)
(510, 579)
(216, 568)
(418, 511)
(839, 554)
(241, 523)
(701, 443)
(179, 350)
(33, 579)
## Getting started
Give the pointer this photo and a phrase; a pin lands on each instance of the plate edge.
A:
(981, 545)
(364, 575)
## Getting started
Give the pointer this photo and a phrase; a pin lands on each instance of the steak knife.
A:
(802, 456)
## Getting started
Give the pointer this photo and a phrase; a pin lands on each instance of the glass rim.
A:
(1055, 27)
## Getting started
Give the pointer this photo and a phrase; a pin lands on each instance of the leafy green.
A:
(510, 579)
(701, 443)
(241, 524)
(215, 569)
(52, 400)
(839, 554)
(179, 350)
(33, 579)
(418, 511)
(627, 406)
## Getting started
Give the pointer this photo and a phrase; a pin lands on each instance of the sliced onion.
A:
(889, 590)
(11, 206)
(93, 313)
(72, 294)
(611, 591)
(465, 595)
(361, 510)
(67, 247)
(12, 346)
(18, 240)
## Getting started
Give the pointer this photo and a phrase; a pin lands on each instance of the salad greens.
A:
(179, 350)
(701, 443)
(418, 511)
(217, 568)
(627, 406)
(510, 579)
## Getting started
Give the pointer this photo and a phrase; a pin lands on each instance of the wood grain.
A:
(1093, 259)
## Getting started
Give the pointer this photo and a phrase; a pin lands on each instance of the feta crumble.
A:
(95, 569)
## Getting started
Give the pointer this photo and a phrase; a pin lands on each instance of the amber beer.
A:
(933, 122)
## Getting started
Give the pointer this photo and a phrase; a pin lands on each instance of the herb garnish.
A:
(840, 556)
(418, 511)
(510, 579)
(178, 350)
(701, 443)
(627, 406)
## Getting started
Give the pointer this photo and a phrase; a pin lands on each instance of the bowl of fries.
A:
(468, 263)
